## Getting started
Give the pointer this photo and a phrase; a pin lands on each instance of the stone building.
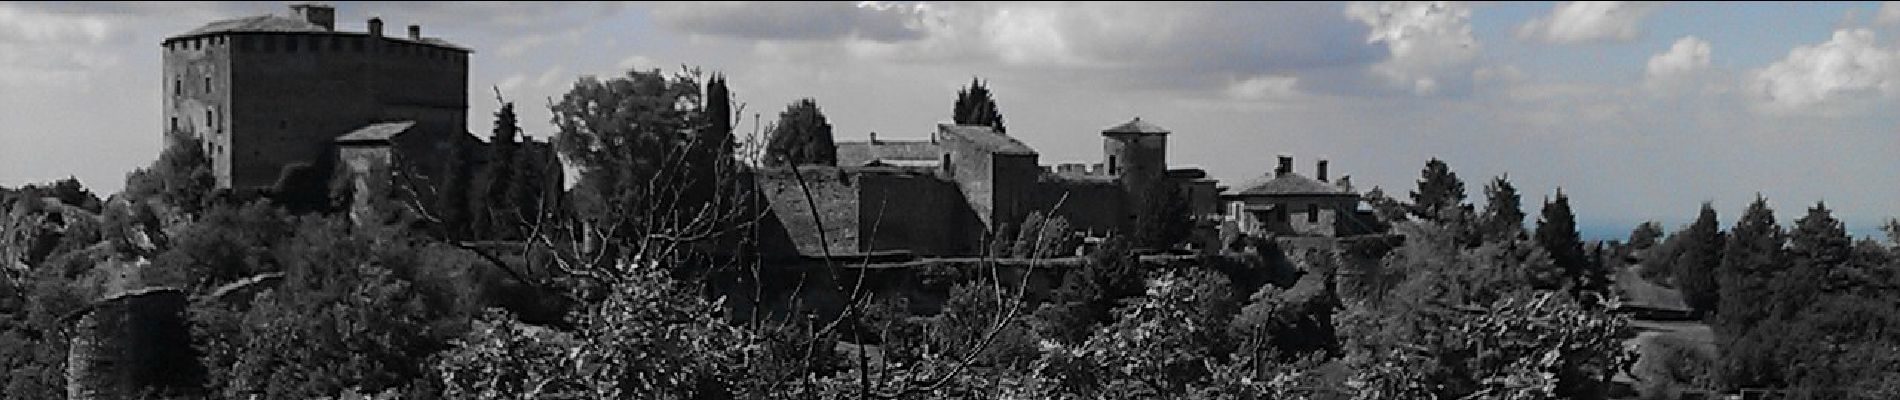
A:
(1287, 204)
(943, 196)
(272, 95)
(268, 92)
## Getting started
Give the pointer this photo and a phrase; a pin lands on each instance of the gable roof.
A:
(987, 138)
(378, 133)
(1291, 184)
(1137, 126)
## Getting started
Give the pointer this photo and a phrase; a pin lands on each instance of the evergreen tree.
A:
(1818, 251)
(497, 213)
(1697, 262)
(1645, 235)
(802, 137)
(1503, 218)
(1751, 258)
(1167, 221)
(718, 133)
(1438, 189)
(1557, 233)
(976, 107)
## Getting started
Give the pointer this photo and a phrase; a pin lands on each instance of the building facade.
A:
(265, 93)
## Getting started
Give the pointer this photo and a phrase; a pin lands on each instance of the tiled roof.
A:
(376, 133)
(1290, 184)
(987, 138)
(1137, 126)
(864, 153)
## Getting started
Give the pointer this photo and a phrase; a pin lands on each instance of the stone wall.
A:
(129, 343)
(919, 213)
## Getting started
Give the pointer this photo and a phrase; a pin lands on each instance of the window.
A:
(948, 171)
(1112, 170)
(1312, 213)
(207, 84)
(174, 124)
(178, 87)
(208, 123)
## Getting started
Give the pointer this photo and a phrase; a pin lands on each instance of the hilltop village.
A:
(325, 223)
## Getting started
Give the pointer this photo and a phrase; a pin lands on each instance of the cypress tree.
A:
(1697, 263)
(975, 106)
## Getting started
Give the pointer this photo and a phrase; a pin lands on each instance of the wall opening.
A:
(1312, 213)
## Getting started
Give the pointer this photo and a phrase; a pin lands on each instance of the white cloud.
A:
(1430, 42)
(1889, 13)
(1584, 21)
(21, 25)
(1849, 63)
(1684, 59)
(1264, 88)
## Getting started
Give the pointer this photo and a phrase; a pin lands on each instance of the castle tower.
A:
(267, 93)
(1137, 153)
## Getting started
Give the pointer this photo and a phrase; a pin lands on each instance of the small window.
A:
(1112, 167)
(1312, 213)
(178, 87)
(174, 124)
(207, 84)
(208, 123)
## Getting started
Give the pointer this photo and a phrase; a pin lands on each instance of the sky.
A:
(1637, 111)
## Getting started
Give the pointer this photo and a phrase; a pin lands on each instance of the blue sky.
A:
(1639, 111)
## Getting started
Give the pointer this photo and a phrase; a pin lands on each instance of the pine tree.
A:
(1557, 233)
(975, 106)
(1645, 235)
(1751, 258)
(1503, 217)
(802, 137)
(1438, 189)
(1696, 264)
(1818, 250)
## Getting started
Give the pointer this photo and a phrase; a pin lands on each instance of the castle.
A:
(943, 196)
(271, 95)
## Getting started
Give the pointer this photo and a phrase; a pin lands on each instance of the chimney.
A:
(873, 137)
(415, 32)
(1322, 170)
(376, 26)
(317, 14)
(1286, 166)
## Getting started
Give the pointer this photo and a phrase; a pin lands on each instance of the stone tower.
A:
(269, 92)
(1136, 153)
